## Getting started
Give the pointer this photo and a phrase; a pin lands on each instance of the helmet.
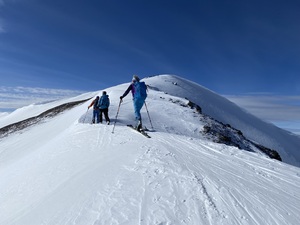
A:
(135, 78)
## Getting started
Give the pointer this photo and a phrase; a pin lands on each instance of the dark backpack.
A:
(140, 90)
(103, 102)
(96, 103)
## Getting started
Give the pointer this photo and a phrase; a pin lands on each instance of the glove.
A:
(121, 97)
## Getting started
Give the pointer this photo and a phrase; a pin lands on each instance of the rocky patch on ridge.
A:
(19, 126)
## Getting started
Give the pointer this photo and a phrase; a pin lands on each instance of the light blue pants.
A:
(137, 105)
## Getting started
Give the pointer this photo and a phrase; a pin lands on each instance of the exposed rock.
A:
(226, 134)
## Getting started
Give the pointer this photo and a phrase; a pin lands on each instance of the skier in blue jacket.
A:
(138, 90)
(103, 106)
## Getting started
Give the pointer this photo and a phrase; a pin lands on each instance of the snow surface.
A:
(3, 114)
(68, 171)
(220, 108)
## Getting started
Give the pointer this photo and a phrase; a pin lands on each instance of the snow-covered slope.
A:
(36, 109)
(68, 171)
(218, 107)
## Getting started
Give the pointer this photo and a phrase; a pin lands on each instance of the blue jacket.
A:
(103, 102)
(137, 94)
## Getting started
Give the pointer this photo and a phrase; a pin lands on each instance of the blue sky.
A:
(248, 51)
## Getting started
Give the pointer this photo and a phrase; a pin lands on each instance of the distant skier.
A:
(103, 105)
(139, 94)
(95, 109)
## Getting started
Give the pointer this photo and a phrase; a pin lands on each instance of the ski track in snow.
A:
(68, 171)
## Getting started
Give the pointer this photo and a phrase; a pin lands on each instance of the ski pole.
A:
(117, 115)
(148, 115)
(85, 115)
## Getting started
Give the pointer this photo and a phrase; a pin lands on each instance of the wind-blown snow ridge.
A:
(68, 171)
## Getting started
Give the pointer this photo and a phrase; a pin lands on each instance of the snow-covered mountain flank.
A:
(207, 162)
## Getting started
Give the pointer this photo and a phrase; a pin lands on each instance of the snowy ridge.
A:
(68, 171)
(221, 109)
(36, 109)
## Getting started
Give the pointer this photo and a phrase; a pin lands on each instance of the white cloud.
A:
(269, 107)
(293, 126)
(283, 111)
(16, 97)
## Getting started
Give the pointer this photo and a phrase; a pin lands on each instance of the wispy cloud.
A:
(15, 97)
(3, 3)
(2, 30)
(283, 111)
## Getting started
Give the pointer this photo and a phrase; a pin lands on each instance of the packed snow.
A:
(66, 170)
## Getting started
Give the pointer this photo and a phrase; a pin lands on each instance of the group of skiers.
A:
(139, 93)
(100, 106)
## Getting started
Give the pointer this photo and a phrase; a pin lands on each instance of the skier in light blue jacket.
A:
(139, 94)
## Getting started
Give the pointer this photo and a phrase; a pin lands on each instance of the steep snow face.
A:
(69, 171)
(218, 107)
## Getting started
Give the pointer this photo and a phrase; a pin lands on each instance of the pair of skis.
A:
(140, 131)
(144, 133)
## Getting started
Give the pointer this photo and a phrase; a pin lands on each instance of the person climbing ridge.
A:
(94, 103)
(103, 106)
(139, 94)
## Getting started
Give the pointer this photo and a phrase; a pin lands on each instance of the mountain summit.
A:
(202, 165)
(221, 109)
